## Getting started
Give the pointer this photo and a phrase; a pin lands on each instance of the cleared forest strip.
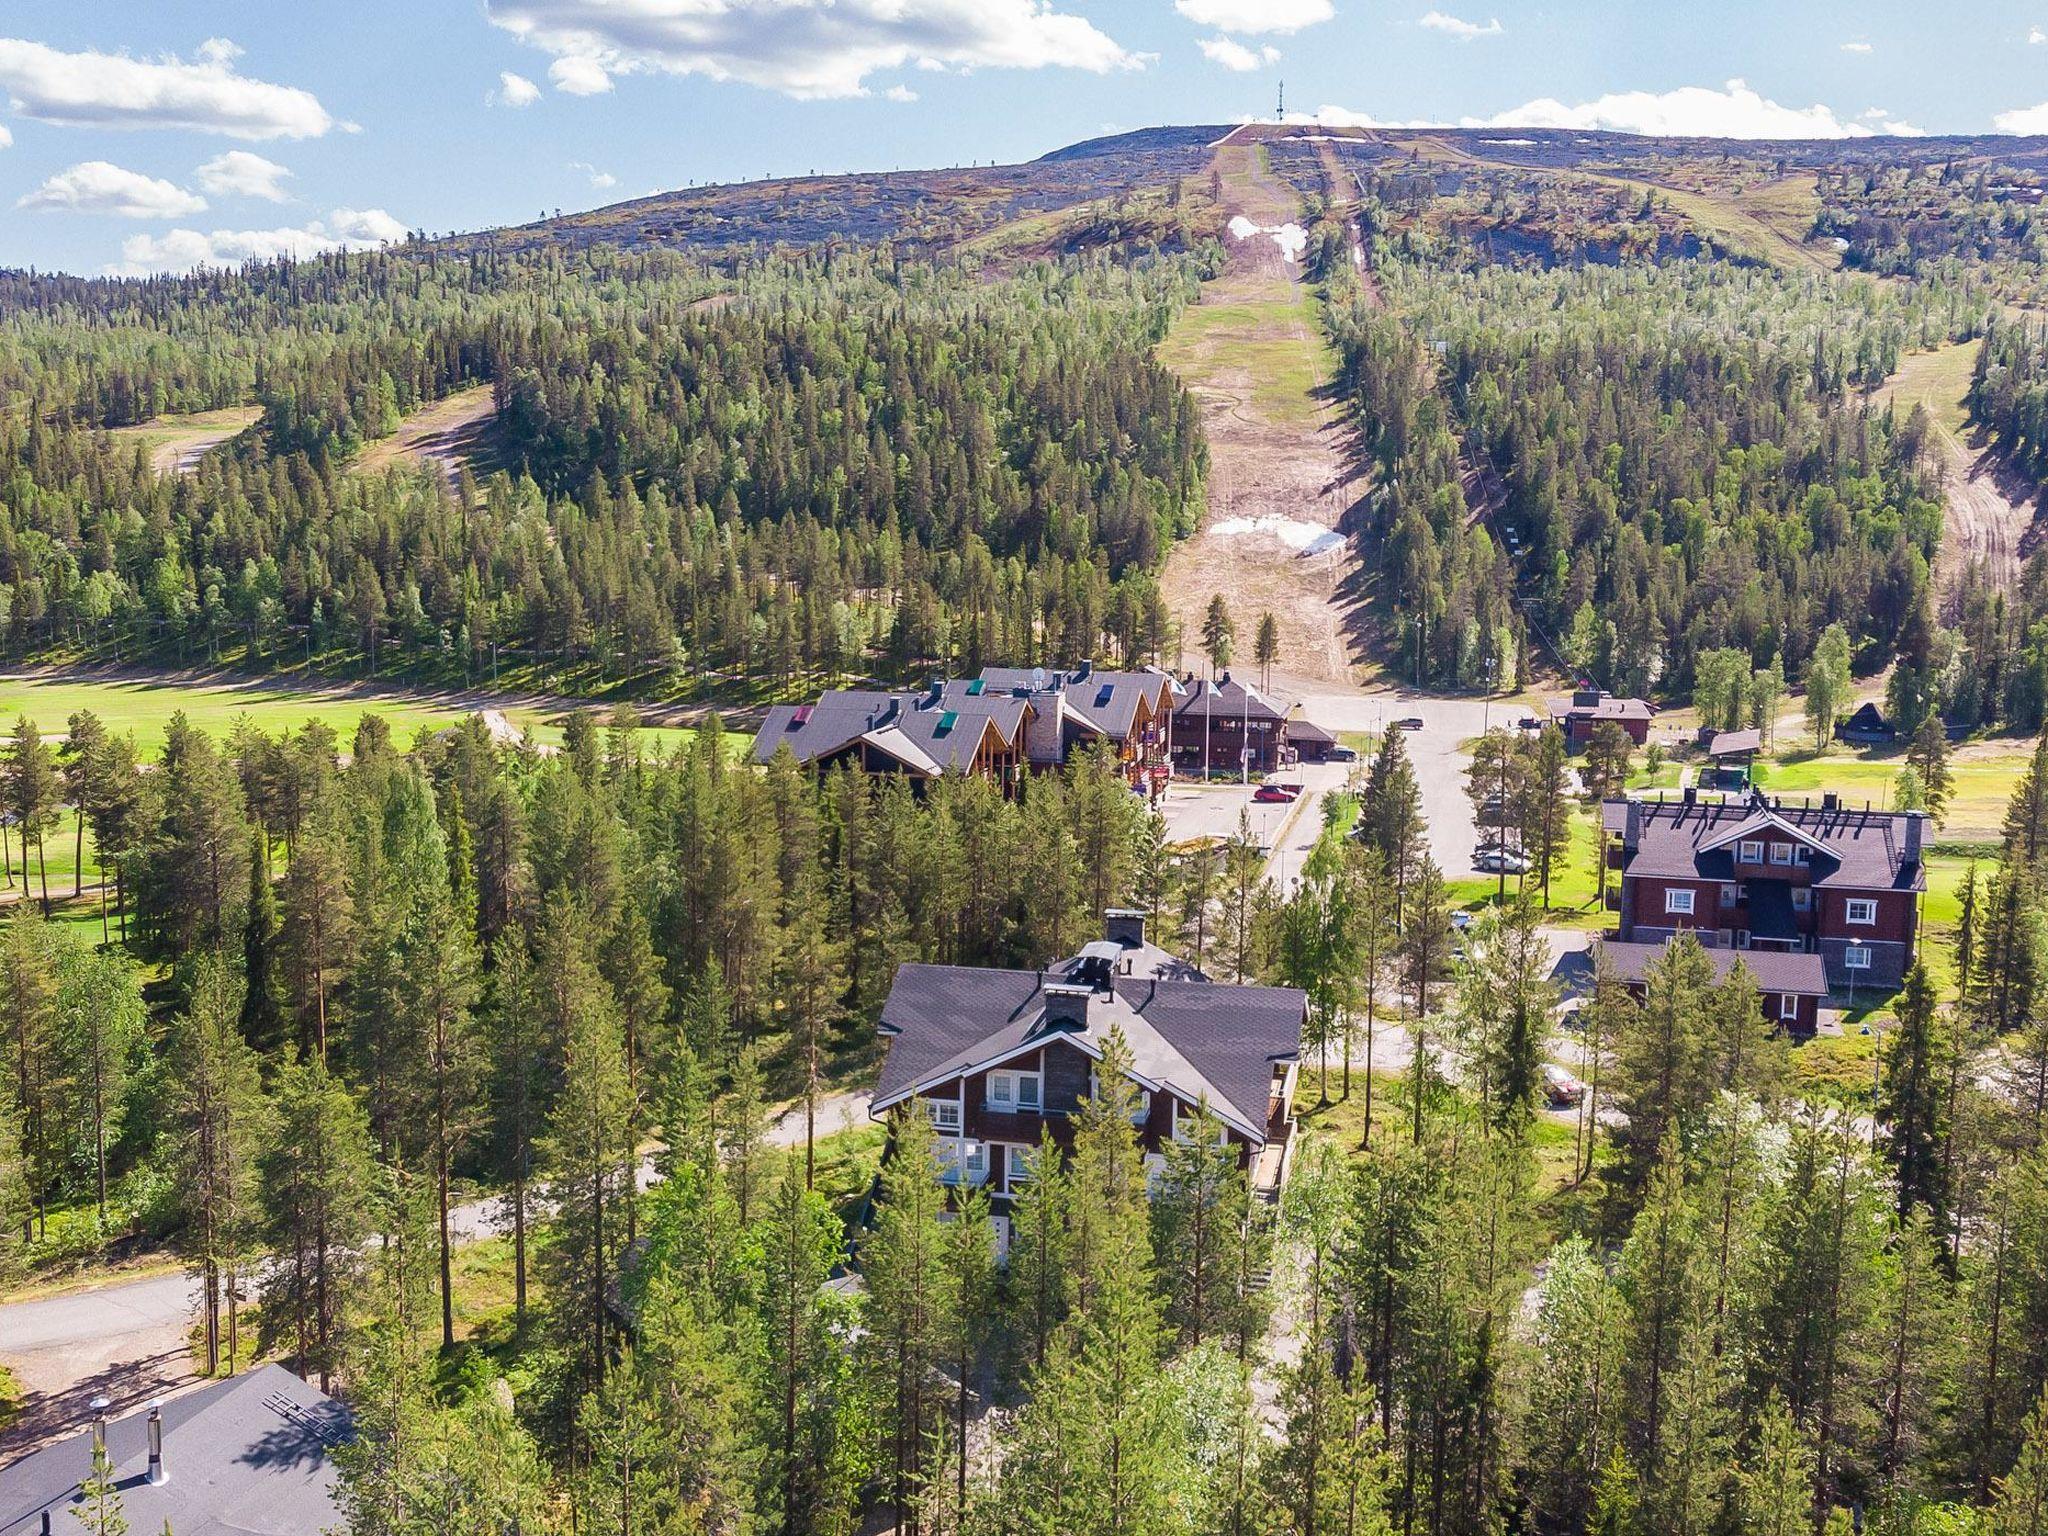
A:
(1992, 509)
(450, 434)
(1254, 354)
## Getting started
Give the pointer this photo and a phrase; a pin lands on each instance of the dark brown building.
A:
(1589, 707)
(1229, 727)
(1792, 984)
(1758, 874)
(997, 1057)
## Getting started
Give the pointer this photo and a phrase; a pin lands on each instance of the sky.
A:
(141, 136)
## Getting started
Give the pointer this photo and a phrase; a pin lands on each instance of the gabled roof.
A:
(245, 1457)
(1754, 826)
(1853, 849)
(1735, 743)
(1194, 1039)
(1228, 698)
(1103, 702)
(927, 732)
(1606, 707)
(1775, 970)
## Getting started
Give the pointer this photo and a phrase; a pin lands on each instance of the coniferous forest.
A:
(511, 1095)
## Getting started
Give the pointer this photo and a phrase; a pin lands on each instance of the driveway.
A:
(1438, 752)
(1286, 830)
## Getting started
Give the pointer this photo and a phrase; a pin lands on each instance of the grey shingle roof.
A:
(1733, 743)
(1863, 850)
(1232, 699)
(1775, 970)
(1608, 707)
(1195, 1037)
(245, 1457)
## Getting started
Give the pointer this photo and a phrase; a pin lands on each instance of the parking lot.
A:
(1287, 831)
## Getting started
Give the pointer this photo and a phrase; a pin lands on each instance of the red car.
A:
(1280, 792)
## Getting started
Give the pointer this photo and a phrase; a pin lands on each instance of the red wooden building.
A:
(1758, 874)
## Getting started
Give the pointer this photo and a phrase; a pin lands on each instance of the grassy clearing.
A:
(1937, 380)
(1574, 889)
(145, 708)
(176, 442)
(1984, 781)
(1272, 333)
(450, 433)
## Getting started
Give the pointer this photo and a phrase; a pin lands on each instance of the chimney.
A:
(1082, 670)
(1066, 1005)
(1125, 926)
(1830, 801)
(156, 1441)
(1632, 829)
(1916, 821)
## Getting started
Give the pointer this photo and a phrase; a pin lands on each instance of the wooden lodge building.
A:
(1003, 724)
(1792, 984)
(1758, 874)
(1229, 727)
(995, 1057)
(1588, 708)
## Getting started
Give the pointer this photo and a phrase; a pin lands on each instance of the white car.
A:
(1560, 1087)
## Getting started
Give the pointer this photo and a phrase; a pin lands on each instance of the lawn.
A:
(1984, 778)
(145, 708)
(1574, 889)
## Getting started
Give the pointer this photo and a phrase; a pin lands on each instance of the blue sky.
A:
(151, 134)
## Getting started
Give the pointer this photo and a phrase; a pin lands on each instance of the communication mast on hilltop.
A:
(1280, 107)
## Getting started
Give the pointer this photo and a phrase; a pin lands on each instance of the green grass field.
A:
(1976, 809)
(146, 708)
(1272, 333)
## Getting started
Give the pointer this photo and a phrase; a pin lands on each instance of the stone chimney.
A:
(1916, 823)
(1632, 828)
(1125, 926)
(1066, 1005)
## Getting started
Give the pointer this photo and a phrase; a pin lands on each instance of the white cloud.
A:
(1856, 48)
(516, 90)
(900, 93)
(238, 173)
(1255, 15)
(2036, 36)
(6, 138)
(808, 49)
(1458, 27)
(95, 186)
(2023, 120)
(112, 90)
(181, 250)
(1691, 111)
(1232, 54)
(599, 179)
(579, 76)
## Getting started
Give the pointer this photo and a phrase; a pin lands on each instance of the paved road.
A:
(1438, 751)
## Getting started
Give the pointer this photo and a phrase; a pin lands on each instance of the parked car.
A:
(1343, 754)
(1283, 793)
(1408, 723)
(1560, 1087)
(1500, 861)
(1528, 723)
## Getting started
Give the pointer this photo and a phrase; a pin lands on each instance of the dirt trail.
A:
(1992, 509)
(449, 434)
(1281, 478)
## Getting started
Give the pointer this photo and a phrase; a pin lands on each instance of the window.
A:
(1861, 909)
(1788, 1006)
(1013, 1091)
(1856, 957)
(1749, 853)
(1781, 853)
(1678, 903)
(945, 1113)
(1802, 854)
(1017, 1164)
(1728, 895)
(1742, 939)
(1802, 898)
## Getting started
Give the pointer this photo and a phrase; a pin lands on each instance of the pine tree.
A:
(221, 1122)
(262, 1013)
(317, 1177)
(101, 1029)
(1202, 1215)
(1913, 1100)
(28, 1006)
(586, 1157)
(1266, 647)
(902, 1260)
(32, 791)
(1777, 1477)
(1039, 1276)
(968, 1268)
(98, 1509)
(1390, 818)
